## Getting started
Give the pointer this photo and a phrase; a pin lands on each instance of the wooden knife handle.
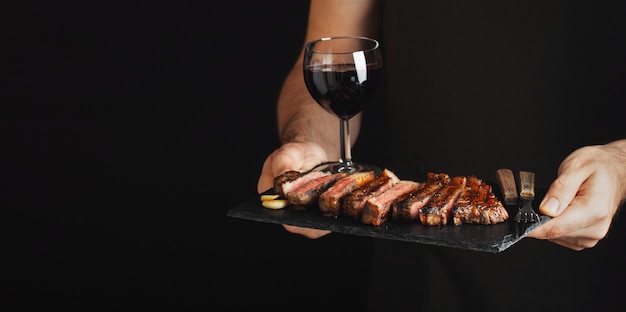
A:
(507, 184)
(527, 184)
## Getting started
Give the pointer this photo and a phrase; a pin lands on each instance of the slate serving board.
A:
(486, 238)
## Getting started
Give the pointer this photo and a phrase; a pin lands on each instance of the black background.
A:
(130, 129)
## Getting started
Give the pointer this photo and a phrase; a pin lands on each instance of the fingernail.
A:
(550, 206)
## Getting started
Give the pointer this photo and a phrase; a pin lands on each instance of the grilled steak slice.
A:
(439, 209)
(306, 194)
(289, 180)
(377, 208)
(330, 200)
(286, 178)
(354, 202)
(408, 207)
(478, 205)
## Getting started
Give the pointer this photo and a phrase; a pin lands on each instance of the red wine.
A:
(339, 89)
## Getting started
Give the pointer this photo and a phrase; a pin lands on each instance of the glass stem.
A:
(346, 153)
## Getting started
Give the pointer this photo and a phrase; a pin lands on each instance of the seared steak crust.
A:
(408, 207)
(478, 205)
(439, 209)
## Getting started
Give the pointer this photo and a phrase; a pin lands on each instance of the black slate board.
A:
(487, 238)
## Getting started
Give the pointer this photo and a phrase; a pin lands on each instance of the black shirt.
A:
(473, 86)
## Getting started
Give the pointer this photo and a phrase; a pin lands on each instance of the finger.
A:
(574, 219)
(585, 237)
(574, 229)
(287, 157)
(310, 233)
(307, 154)
(561, 192)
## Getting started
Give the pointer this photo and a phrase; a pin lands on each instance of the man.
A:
(472, 87)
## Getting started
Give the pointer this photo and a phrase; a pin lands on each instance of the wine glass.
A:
(341, 74)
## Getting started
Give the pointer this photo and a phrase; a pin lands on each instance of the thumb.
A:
(561, 192)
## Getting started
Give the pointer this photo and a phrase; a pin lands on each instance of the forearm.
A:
(301, 119)
(619, 153)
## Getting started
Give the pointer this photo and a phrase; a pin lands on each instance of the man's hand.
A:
(585, 196)
(292, 156)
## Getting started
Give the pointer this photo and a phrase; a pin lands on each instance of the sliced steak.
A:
(439, 209)
(306, 194)
(377, 208)
(478, 205)
(354, 202)
(330, 200)
(408, 208)
(289, 180)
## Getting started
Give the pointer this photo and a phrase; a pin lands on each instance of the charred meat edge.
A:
(439, 208)
(478, 205)
(408, 207)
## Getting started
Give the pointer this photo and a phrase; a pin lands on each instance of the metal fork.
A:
(526, 213)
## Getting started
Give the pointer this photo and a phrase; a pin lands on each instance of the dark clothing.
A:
(473, 86)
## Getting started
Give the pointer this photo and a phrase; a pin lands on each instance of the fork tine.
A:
(526, 212)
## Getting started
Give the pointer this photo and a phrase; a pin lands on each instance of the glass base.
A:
(336, 167)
